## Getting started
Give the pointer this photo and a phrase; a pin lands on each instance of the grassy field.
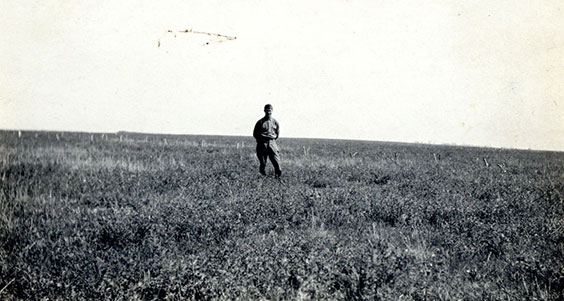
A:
(125, 216)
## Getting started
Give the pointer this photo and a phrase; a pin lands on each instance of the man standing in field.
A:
(266, 132)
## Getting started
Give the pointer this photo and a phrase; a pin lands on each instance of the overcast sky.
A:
(488, 73)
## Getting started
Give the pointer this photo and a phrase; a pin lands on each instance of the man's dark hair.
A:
(268, 106)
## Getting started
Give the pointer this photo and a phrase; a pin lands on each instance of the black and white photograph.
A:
(282, 150)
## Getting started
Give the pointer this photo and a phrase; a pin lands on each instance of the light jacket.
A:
(266, 129)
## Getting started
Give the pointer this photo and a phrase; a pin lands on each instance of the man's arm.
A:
(255, 131)
(277, 129)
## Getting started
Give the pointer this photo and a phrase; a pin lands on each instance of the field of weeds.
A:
(124, 216)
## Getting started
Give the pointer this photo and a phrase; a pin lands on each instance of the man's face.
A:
(268, 112)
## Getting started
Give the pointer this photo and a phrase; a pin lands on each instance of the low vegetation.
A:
(131, 216)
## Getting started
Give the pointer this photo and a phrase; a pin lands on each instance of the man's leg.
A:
(275, 158)
(262, 156)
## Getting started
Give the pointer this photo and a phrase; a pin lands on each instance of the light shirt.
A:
(266, 129)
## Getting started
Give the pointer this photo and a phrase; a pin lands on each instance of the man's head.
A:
(268, 110)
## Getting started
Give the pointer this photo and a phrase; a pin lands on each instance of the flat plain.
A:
(135, 216)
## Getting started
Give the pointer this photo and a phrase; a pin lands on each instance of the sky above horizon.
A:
(481, 73)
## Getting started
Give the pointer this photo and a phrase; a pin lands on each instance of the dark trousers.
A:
(265, 150)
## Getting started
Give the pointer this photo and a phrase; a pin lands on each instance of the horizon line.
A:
(292, 137)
